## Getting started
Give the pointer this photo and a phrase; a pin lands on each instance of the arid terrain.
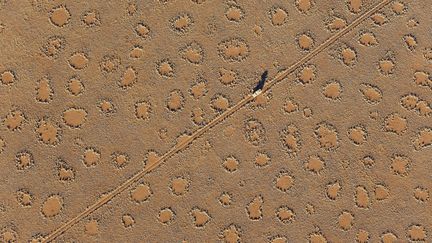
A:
(136, 121)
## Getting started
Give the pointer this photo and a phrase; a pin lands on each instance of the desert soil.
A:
(101, 102)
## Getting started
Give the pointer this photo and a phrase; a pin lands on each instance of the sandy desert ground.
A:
(135, 121)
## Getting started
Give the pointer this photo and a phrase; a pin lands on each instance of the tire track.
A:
(183, 144)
